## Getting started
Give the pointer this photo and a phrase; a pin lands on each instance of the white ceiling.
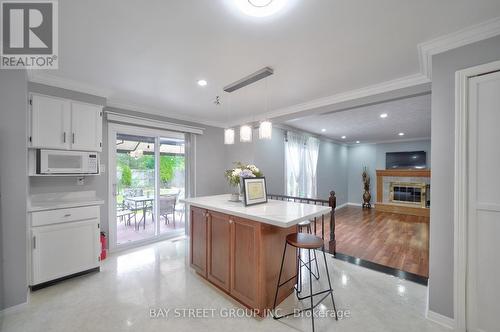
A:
(151, 53)
(411, 116)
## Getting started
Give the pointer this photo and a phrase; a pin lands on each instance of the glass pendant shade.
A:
(245, 134)
(265, 130)
(229, 136)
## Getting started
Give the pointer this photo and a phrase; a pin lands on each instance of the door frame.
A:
(461, 184)
(113, 129)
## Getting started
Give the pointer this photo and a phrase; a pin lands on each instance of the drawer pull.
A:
(67, 215)
(231, 221)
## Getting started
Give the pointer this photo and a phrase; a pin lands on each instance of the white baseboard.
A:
(359, 204)
(341, 206)
(440, 319)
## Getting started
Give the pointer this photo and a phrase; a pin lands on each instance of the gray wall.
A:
(373, 156)
(444, 67)
(269, 156)
(13, 187)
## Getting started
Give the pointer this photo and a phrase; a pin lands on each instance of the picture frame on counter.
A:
(255, 191)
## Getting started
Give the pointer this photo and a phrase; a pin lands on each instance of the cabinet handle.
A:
(231, 221)
(67, 215)
(73, 138)
(34, 242)
(64, 137)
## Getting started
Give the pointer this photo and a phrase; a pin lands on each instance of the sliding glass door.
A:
(147, 180)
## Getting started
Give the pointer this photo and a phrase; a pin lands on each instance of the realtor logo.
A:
(29, 35)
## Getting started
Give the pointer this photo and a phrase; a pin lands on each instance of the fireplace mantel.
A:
(403, 173)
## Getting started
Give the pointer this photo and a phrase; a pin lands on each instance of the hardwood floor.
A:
(394, 240)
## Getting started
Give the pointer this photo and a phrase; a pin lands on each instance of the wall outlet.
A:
(80, 181)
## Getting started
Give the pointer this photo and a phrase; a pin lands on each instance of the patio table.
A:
(140, 201)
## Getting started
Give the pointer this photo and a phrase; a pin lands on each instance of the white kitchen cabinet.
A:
(86, 127)
(50, 122)
(58, 123)
(65, 247)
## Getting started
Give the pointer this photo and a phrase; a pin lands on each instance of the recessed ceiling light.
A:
(383, 115)
(323, 130)
(344, 137)
(202, 83)
(260, 8)
(401, 134)
(357, 142)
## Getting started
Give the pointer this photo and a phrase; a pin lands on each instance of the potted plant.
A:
(235, 175)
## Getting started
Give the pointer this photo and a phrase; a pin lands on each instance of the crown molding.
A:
(371, 90)
(38, 76)
(126, 105)
(454, 40)
(401, 140)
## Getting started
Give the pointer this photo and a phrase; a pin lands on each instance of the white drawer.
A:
(42, 218)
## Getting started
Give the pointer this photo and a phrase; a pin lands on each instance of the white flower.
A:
(236, 171)
(253, 168)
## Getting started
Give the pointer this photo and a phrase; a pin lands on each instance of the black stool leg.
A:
(311, 288)
(299, 273)
(330, 284)
(279, 279)
(317, 269)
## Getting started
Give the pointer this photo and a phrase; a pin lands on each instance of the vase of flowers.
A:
(236, 175)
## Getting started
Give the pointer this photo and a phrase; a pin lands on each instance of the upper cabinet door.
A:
(86, 127)
(50, 122)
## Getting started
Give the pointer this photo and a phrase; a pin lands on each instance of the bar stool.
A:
(307, 225)
(308, 242)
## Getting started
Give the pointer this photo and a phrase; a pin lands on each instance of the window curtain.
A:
(301, 156)
(294, 157)
(312, 154)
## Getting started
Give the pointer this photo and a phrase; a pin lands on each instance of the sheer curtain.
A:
(312, 154)
(301, 157)
(294, 150)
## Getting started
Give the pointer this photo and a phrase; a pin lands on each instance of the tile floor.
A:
(131, 283)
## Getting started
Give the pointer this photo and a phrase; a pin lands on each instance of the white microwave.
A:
(66, 162)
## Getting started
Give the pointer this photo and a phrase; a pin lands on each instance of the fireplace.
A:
(408, 193)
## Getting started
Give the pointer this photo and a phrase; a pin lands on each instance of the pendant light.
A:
(266, 127)
(245, 134)
(229, 136)
(265, 130)
(228, 132)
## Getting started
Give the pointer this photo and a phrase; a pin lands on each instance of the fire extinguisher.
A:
(103, 246)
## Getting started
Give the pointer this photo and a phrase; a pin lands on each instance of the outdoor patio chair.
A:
(167, 206)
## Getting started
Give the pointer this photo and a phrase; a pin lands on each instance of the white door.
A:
(483, 264)
(63, 249)
(86, 125)
(50, 126)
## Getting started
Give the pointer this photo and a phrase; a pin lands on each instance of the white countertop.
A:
(278, 213)
(63, 200)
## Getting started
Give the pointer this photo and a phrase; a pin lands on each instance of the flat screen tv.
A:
(411, 159)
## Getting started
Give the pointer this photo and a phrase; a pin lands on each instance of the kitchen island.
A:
(239, 249)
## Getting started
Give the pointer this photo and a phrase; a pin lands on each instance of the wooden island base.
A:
(241, 257)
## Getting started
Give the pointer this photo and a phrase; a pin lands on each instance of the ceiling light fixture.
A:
(202, 83)
(260, 3)
(357, 142)
(265, 130)
(229, 136)
(344, 137)
(383, 115)
(401, 134)
(323, 130)
(245, 134)
(260, 8)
